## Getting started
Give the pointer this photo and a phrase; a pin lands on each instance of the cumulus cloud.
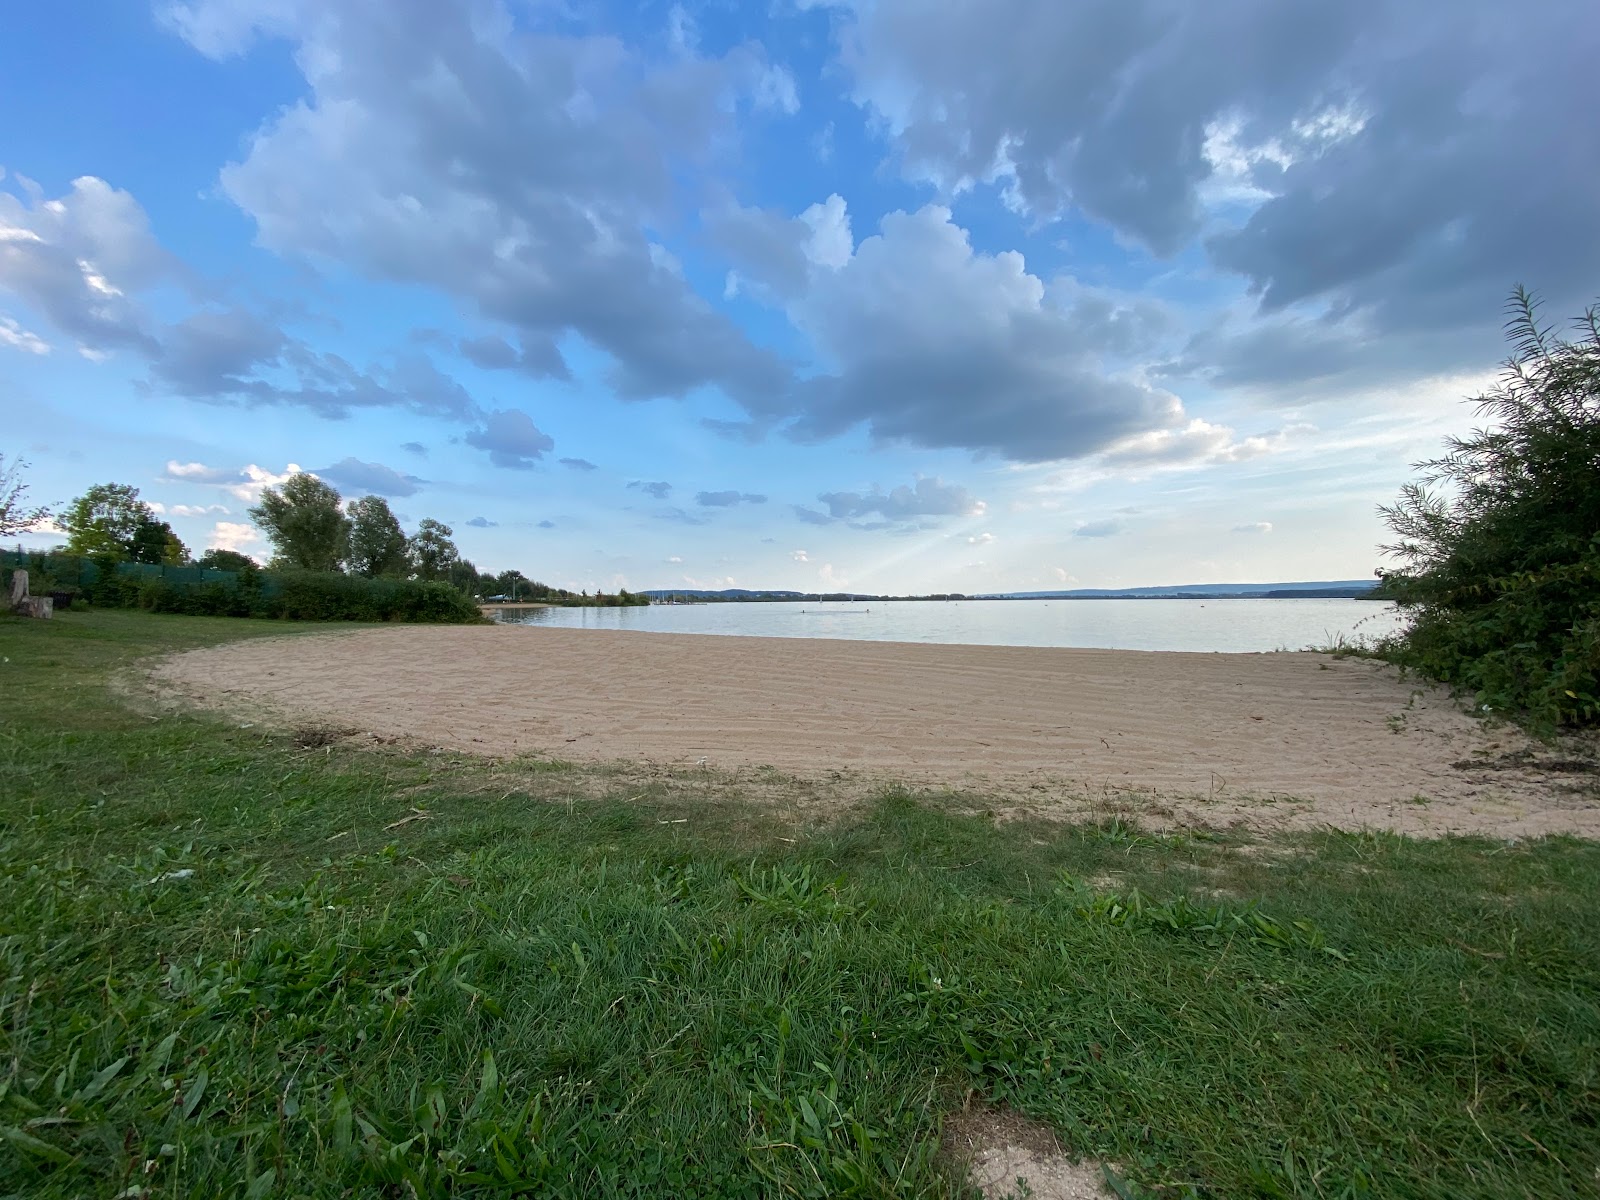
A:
(928, 497)
(547, 524)
(85, 262)
(578, 464)
(799, 556)
(244, 483)
(660, 489)
(75, 259)
(980, 539)
(675, 558)
(1108, 527)
(511, 439)
(416, 448)
(233, 535)
(727, 499)
(353, 475)
(482, 523)
(1254, 527)
(933, 343)
(436, 145)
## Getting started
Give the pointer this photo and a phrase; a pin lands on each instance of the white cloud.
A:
(1194, 444)
(244, 484)
(832, 580)
(18, 338)
(188, 510)
(233, 535)
(676, 558)
(1254, 527)
(980, 539)
(799, 556)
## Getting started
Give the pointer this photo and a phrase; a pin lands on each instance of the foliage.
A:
(303, 521)
(16, 515)
(289, 595)
(224, 560)
(105, 520)
(431, 550)
(155, 542)
(321, 596)
(377, 543)
(230, 965)
(1501, 568)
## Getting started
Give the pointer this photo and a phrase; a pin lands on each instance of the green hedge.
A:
(289, 595)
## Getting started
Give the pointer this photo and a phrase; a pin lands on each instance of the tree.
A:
(303, 521)
(105, 520)
(1500, 570)
(431, 550)
(463, 576)
(155, 542)
(217, 559)
(15, 515)
(377, 543)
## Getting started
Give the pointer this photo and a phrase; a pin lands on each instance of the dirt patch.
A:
(1263, 741)
(1005, 1155)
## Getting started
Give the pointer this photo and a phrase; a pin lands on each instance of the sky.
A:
(876, 295)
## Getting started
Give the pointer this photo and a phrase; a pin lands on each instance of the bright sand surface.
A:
(1276, 740)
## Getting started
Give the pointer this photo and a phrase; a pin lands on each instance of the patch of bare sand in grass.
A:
(1005, 1155)
(1268, 742)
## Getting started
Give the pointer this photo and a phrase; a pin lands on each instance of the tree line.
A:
(311, 528)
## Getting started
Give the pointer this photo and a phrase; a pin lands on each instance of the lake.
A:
(1230, 626)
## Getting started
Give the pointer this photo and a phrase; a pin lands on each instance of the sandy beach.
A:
(1276, 740)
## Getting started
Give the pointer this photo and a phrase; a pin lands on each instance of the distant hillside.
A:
(1348, 589)
(1273, 591)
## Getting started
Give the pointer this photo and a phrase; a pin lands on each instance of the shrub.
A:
(251, 592)
(1501, 569)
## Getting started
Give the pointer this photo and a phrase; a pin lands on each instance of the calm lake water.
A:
(1230, 626)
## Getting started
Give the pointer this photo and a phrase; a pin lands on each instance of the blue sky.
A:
(888, 295)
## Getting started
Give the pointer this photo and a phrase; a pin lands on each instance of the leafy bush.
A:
(1501, 575)
(322, 596)
(251, 592)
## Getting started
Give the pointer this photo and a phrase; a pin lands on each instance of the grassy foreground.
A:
(235, 964)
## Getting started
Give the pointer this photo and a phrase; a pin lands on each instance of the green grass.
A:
(572, 982)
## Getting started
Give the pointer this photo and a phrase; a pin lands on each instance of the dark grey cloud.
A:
(578, 464)
(416, 448)
(1392, 171)
(660, 489)
(511, 438)
(516, 173)
(539, 357)
(353, 475)
(928, 497)
(547, 524)
(482, 523)
(231, 356)
(1108, 527)
(727, 499)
